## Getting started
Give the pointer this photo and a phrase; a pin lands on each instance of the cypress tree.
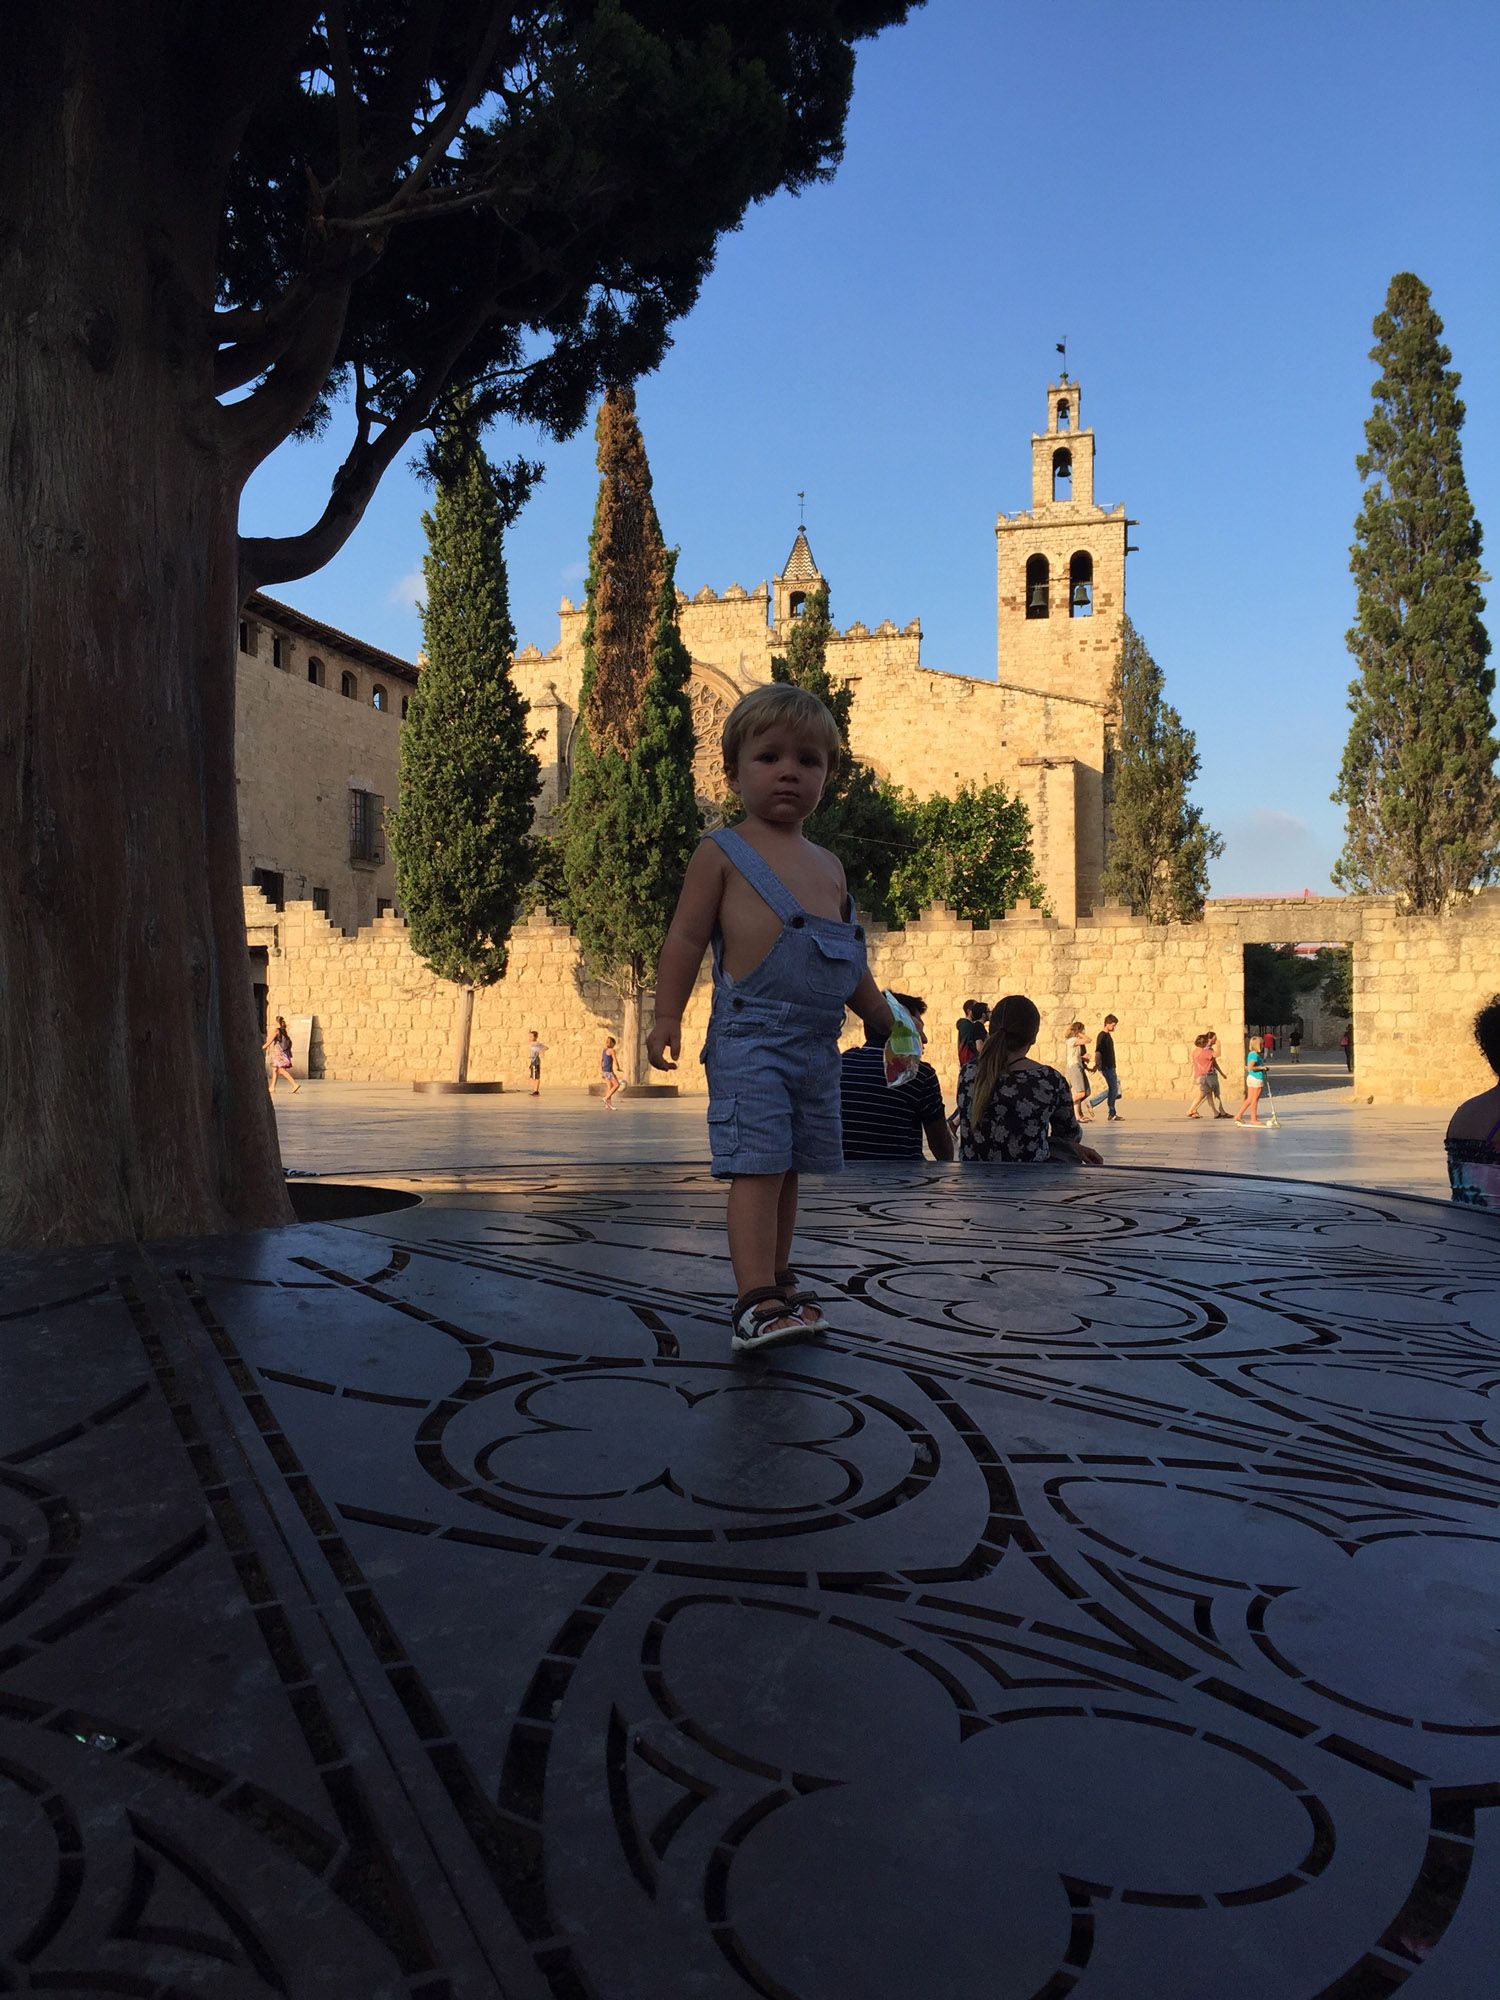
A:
(461, 833)
(1418, 781)
(1159, 843)
(630, 821)
(858, 817)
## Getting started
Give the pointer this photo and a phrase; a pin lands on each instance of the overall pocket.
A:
(835, 966)
(723, 1127)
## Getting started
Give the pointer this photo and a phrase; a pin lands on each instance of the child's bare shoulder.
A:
(826, 857)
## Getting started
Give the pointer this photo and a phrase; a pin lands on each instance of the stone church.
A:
(319, 712)
(1041, 728)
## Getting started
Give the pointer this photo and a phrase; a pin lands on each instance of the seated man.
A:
(885, 1124)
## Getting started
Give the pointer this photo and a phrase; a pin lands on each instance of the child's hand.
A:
(665, 1039)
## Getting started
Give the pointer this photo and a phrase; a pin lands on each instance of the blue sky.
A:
(1209, 203)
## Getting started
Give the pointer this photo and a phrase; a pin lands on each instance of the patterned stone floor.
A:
(430, 1608)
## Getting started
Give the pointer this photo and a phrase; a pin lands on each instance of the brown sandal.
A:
(804, 1304)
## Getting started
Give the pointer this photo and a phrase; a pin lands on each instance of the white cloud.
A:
(1268, 822)
(408, 589)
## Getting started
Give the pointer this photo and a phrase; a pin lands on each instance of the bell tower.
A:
(1061, 566)
(1060, 592)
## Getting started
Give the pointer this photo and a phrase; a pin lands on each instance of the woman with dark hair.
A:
(1011, 1108)
(1473, 1141)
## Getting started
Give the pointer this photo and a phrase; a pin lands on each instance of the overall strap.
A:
(762, 878)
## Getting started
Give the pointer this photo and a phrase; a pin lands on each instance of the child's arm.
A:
(869, 1003)
(687, 939)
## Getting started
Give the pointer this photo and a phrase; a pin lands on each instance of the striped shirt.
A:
(881, 1123)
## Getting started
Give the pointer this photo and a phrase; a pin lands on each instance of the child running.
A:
(609, 1072)
(788, 957)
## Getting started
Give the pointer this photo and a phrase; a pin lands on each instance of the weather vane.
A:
(1062, 348)
(801, 510)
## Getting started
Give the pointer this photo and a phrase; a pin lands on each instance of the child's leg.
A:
(754, 1216)
(786, 1220)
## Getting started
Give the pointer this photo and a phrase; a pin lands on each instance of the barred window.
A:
(365, 811)
(320, 900)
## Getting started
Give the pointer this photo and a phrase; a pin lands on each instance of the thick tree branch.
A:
(345, 100)
(278, 559)
(464, 101)
(250, 431)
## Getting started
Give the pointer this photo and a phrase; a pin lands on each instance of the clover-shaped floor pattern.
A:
(1109, 1606)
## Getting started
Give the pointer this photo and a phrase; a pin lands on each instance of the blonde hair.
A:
(779, 705)
(1015, 1023)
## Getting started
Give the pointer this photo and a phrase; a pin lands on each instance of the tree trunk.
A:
(132, 1086)
(462, 1037)
(630, 1027)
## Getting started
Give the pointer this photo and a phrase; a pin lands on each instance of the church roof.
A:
(800, 567)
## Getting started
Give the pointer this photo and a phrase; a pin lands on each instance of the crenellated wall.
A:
(380, 1016)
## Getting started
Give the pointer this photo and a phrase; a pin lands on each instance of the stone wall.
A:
(380, 1016)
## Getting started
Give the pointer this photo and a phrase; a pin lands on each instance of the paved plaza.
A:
(384, 1131)
(429, 1607)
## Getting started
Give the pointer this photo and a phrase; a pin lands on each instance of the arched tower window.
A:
(1062, 474)
(1081, 585)
(315, 671)
(1064, 418)
(1038, 587)
(349, 686)
(796, 604)
(377, 696)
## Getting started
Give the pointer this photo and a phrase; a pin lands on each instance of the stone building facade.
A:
(1041, 727)
(317, 731)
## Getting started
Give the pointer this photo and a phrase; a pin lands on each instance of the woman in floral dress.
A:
(1011, 1108)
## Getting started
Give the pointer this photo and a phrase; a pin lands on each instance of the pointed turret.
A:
(799, 577)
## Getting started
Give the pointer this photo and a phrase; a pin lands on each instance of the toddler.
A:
(788, 957)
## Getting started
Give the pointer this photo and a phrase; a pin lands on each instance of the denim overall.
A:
(772, 1053)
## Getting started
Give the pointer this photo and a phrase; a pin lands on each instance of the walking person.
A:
(1294, 1038)
(1255, 1081)
(1104, 1065)
(1346, 1043)
(611, 1075)
(1203, 1076)
(535, 1050)
(279, 1042)
(1216, 1075)
(971, 1031)
(788, 959)
(1076, 1070)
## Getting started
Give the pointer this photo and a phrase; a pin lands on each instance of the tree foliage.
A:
(461, 833)
(972, 852)
(1159, 843)
(1418, 781)
(1276, 978)
(1336, 963)
(517, 199)
(630, 820)
(860, 819)
(221, 225)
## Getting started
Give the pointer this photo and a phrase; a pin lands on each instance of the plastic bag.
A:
(903, 1050)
